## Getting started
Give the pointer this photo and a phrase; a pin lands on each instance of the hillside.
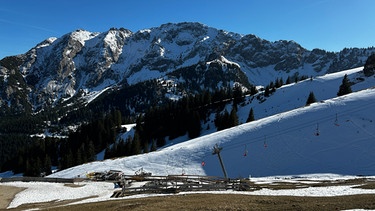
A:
(283, 141)
(63, 101)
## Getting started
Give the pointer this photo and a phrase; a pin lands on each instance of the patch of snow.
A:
(100, 155)
(48, 192)
(225, 60)
(145, 31)
(205, 38)
(39, 192)
(129, 131)
(92, 94)
(143, 75)
(82, 35)
(8, 174)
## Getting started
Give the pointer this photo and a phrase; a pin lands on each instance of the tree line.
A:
(179, 118)
(170, 120)
(36, 155)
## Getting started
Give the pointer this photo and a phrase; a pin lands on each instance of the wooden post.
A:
(217, 150)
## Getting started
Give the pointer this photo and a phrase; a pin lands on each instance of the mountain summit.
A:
(82, 63)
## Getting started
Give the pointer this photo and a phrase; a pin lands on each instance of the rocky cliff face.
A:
(82, 63)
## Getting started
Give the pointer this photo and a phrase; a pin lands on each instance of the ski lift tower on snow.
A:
(217, 151)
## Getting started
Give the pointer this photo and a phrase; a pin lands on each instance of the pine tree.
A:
(153, 146)
(117, 118)
(238, 96)
(288, 80)
(161, 142)
(345, 87)
(369, 68)
(20, 165)
(218, 120)
(47, 165)
(277, 83)
(91, 151)
(281, 82)
(108, 152)
(253, 90)
(127, 147)
(250, 118)
(221, 120)
(78, 157)
(267, 91)
(28, 171)
(69, 160)
(135, 145)
(146, 147)
(194, 125)
(311, 99)
(233, 118)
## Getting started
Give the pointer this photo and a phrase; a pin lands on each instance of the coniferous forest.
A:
(159, 123)
(101, 124)
(156, 123)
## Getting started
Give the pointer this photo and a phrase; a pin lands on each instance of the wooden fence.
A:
(177, 183)
(40, 179)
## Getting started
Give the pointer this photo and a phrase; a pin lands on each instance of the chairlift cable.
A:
(323, 119)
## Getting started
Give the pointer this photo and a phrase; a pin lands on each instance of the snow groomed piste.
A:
(282, 143)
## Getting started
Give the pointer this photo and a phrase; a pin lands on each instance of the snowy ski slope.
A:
(284, 143)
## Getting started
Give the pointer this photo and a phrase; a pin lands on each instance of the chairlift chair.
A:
(245, 152)
(317, 133)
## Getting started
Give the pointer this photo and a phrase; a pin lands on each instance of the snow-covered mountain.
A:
(64, 82)
(334, 135)
(80, 64)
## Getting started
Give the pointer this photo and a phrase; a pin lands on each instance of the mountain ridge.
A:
(74, 69)
(58, 69)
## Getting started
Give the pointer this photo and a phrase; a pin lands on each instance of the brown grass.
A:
(222, 201)
(231, 202)
(7, 194)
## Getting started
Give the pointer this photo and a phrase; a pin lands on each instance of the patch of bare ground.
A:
(73, 185)
(368, 185)
(231, 202)
(297, 184)
(7, 194)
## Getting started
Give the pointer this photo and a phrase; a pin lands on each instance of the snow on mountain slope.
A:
(294, 95)
(59, 69)
(284, 143)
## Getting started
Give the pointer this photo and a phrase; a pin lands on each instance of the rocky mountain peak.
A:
(58, 69)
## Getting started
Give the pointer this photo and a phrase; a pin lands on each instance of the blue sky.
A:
(326, 24)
